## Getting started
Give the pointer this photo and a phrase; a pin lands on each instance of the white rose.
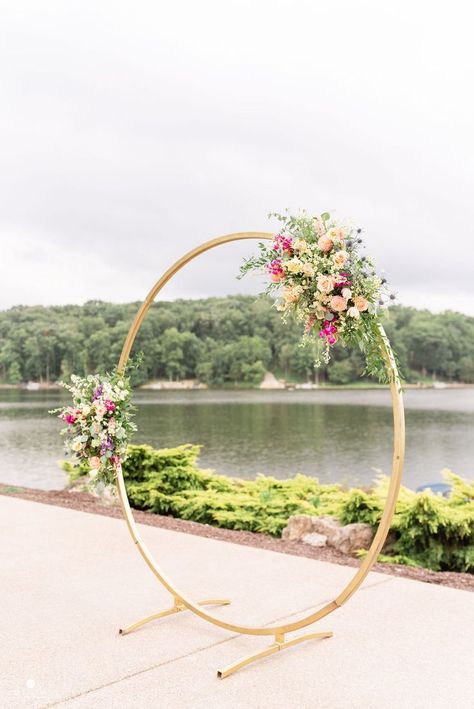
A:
(353, 313)
(346, 293)
(293, 265)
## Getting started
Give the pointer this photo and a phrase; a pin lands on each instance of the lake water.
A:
(338, 435)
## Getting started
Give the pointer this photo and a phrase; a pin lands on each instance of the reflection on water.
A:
(334, 435)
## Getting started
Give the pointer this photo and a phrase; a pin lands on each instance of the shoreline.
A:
(183, 386)
(86, 502)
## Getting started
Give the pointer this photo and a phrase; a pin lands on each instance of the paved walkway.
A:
(69, 580)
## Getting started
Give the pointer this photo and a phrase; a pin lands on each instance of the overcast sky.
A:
(130, 132)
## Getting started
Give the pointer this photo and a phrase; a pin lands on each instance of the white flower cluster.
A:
(98, 423)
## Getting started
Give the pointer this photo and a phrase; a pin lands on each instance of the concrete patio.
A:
(69, 580)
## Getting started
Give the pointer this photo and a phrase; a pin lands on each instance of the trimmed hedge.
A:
(429, 530)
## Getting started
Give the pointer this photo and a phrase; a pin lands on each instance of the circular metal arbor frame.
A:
(181, 600)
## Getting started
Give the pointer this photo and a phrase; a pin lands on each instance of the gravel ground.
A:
(86, 502)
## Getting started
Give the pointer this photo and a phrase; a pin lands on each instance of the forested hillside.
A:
(221, 341)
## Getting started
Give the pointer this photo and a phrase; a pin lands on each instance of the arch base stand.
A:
(279, 644)
(177, 607)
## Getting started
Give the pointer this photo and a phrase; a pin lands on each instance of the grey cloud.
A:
(128, 137)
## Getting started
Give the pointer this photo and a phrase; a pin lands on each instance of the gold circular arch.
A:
(181, 600)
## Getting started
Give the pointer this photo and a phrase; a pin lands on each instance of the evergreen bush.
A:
(431, 531)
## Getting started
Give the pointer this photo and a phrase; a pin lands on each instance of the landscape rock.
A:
(353, 537)
(392, 537)
(297, 527)
(321, 531)
(329, 526)
(315, 540)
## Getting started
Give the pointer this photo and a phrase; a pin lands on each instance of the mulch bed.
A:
(86, 502)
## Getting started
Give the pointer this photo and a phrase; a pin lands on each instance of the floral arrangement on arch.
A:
(320, 276)
(98, 423)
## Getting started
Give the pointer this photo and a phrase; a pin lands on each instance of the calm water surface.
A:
(338, 436)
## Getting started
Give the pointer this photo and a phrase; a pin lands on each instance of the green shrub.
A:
(432, 531)
(429, 530)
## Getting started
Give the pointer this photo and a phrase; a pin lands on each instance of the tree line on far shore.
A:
(220, 341)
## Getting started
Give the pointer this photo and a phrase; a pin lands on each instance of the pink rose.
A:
(361, 303)
(338, 303)
(325, 244)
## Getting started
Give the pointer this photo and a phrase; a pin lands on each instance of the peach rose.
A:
(325, 244)
(94, 462)
(291, 295)
(308, 269)
(339, 258)
(277, 277)
(361, 303)
(325, 283)
(301, 245)
(338, 303)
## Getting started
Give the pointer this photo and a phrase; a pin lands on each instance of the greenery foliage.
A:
(429, 530)
(222, 341)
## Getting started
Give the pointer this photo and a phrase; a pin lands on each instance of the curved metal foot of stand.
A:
(279, 644)
(177, 607)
